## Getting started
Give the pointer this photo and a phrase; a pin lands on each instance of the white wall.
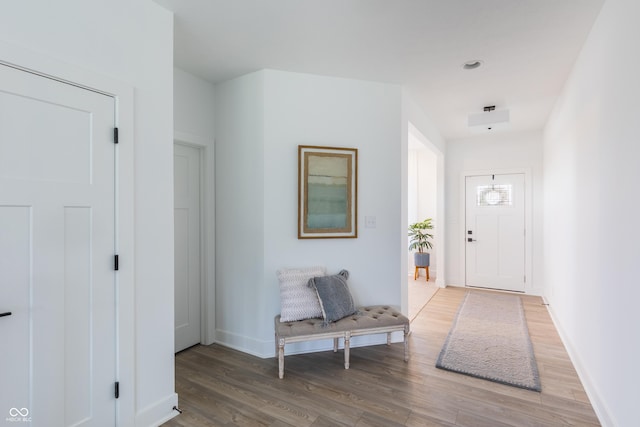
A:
(129, 42)
(193, 105)
(239, 190)
(495, 152)
(591, 154)
(193, 120)
(261, 119)
(413, 115)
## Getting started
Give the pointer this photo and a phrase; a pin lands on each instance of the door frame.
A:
(45, 66)
(528, 220)
(207, 269)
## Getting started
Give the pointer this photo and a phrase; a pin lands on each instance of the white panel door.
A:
(495, 232)
(186, 182)
(58, 358)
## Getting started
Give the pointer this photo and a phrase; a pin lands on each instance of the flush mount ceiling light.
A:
(472, 65)
(489, 119)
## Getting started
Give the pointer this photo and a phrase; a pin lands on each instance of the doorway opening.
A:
(425, 185)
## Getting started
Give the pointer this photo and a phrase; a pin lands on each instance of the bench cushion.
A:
(365, 318)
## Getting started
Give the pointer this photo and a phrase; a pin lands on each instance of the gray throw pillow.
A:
(335, 299)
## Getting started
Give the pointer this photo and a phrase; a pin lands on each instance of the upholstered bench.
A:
(368, 320)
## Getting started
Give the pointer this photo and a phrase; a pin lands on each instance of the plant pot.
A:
(421, 259)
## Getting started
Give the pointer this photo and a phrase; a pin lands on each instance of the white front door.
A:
(495, 232)
(57, 228)
(186, 199)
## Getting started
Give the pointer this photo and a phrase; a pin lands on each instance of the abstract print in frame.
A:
(327, 192)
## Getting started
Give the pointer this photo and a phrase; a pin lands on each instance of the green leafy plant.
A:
(419, 235)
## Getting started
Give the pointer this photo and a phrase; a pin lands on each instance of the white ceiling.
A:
(528, 48)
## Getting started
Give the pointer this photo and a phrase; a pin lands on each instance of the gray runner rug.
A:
(489, 339)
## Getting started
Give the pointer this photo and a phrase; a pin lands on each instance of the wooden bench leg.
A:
(406, 343)
(347, 339)
(281, 358)
(427, 268)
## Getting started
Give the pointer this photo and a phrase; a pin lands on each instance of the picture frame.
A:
(327, 192)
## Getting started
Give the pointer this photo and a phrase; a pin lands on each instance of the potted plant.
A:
(420, 236)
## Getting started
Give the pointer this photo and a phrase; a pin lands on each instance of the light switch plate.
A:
(370, 222)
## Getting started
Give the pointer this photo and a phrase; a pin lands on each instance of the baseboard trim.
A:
(597, 403)
(244, 343)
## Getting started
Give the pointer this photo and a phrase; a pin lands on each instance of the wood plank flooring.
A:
(420, 292)
(218, 386)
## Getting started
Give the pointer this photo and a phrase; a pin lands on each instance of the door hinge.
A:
(116, 261)
(117, 390)
(115, 135)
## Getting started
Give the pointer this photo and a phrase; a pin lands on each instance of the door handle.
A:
(471, 240)
(8, 313)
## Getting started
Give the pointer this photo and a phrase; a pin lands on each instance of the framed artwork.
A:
(327, 192)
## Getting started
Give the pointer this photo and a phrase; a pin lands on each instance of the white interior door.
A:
(495, 232)
(58, 358)
(186, 182)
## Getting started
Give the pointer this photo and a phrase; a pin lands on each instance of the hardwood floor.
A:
(218, 386)
(420, 292)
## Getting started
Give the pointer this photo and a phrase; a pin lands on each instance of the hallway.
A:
(218, 386)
